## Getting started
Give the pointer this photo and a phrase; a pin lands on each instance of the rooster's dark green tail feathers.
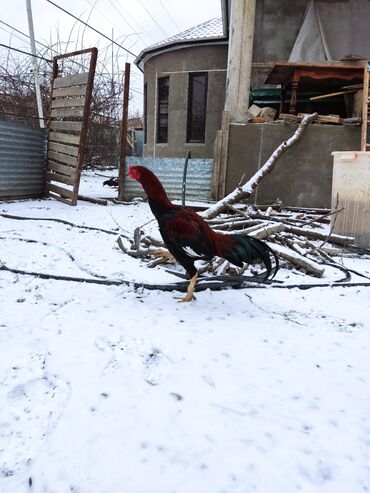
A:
(239, 249)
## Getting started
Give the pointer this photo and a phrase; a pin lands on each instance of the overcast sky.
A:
(136, 24)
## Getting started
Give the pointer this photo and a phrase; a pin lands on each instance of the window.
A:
(145, 112)
(162, 115)
(197, 107)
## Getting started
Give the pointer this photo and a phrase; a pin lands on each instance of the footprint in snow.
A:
(33, 401)
(135, 355)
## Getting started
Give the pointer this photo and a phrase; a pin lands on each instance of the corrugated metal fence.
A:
(170, 172)
(22, 160)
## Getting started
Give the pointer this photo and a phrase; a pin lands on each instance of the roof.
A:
(136, 123)
(211, 30)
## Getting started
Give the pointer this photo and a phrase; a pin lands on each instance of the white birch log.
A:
(316, 235)
(297, 259)
(268, 230)
(242, 192)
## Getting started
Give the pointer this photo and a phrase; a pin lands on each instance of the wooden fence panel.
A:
(68, 121)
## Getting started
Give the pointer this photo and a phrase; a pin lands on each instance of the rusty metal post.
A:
(123, 136)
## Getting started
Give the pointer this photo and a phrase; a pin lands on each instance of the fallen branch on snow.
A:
(245, 191)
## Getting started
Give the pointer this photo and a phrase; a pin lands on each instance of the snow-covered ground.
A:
(108, 389)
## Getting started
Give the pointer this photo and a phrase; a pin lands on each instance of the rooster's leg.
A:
(190, 292)
(164, 254)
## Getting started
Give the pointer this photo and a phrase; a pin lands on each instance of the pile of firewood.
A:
(301, 240)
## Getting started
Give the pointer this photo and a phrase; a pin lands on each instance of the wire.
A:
(26, 35)
(147, 11)
(107, 19)
(136, 22)
(92, 28)
(38, 42)
(21, 115)
(12, 34)
(170, 16)
(25, 53)
(126, 21)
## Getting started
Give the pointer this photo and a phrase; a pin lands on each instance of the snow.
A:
(108, 389)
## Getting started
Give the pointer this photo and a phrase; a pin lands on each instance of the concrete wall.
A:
(277, 25)
(177, 64)
(302, 176)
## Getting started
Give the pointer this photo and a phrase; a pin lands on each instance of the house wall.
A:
(276, 27)
(177, 64)
(302, 176)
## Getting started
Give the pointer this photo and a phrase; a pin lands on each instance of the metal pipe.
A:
(35, 66)
(122, 152)
(155, 112)
(188, 156)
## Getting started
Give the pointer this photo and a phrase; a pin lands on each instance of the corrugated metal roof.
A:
(22, 160)
(209, 30)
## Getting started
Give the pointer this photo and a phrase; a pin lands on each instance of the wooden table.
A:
(307, 76)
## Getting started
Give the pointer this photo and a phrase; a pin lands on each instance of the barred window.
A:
(197, 107)
(162, 115)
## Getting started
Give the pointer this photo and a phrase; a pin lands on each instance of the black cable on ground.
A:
(212, 283)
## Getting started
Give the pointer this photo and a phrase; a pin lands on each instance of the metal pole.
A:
(123, 143)
(184, 175)
(155, 113)
(35, 66)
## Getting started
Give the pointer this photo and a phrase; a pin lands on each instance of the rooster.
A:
(189, 238)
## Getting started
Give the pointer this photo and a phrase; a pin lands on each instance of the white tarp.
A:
(333, 30)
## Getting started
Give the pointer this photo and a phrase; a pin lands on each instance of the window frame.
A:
(160, 114)
(189, 121)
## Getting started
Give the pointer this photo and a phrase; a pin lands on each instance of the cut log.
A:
(298, 260)
(268, 230)
(315, 235)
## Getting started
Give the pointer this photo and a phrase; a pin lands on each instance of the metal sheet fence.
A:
(170, 172)
(22, 160)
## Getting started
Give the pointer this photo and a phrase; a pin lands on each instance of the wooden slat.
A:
(69, 91)
(59, 190)
(60, 178)
(216, 165)
(62, 168)
(225, 129)
(332, 94)
(69, 126)
(68, 103)
(66, 112)
(365, 108)
(63, 158)
(66, 138)
(72, 151)
(71, 80)
(61, 199)
(325, 118)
